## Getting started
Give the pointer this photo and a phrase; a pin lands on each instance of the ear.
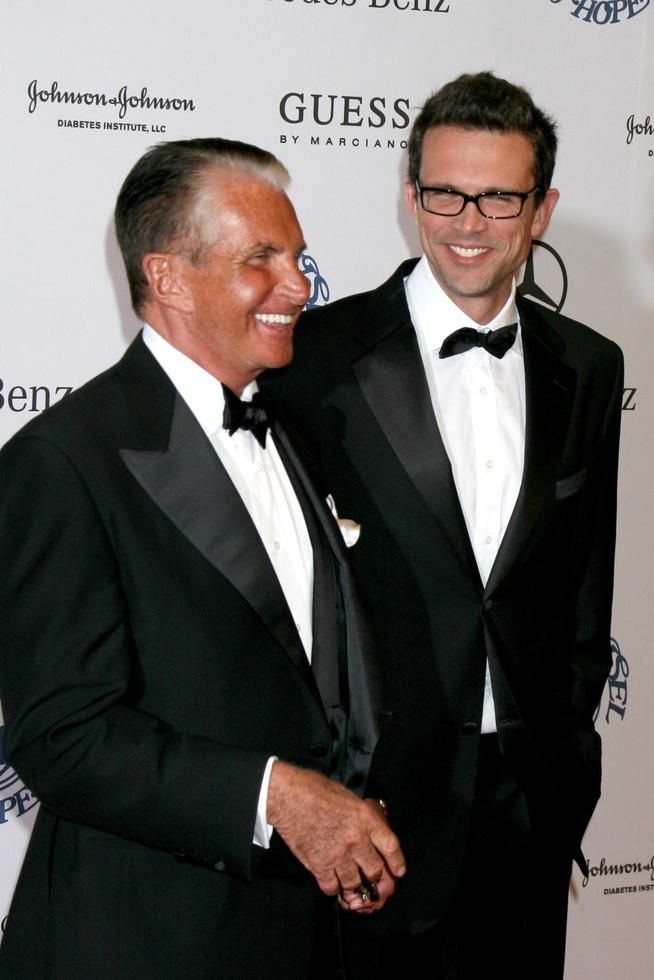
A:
(164, 273)
(544, 212)
(411, 197)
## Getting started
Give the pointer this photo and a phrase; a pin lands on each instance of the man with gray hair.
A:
(187, 676)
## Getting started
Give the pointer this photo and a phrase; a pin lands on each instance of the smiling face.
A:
(233, 311)
(475, 258)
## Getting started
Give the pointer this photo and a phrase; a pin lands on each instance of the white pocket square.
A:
(349, 529)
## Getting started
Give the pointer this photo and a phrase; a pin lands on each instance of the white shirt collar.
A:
(435, 315)
(201, 391)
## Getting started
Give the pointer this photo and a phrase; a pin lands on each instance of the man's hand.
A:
(353, 901)
(343, 841)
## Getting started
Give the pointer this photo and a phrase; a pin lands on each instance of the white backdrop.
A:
(331, 86)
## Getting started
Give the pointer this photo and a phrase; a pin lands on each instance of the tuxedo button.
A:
(488, 605)
(219, 865)
(318, 751)
(470, 727)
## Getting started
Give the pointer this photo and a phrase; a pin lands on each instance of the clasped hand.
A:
(346, 843)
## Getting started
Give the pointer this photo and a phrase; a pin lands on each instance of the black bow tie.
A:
(496, 342)
(254, 416)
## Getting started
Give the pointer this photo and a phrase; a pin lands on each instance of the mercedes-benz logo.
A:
(551, 288)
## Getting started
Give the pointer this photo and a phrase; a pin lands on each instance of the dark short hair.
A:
(160, 203)
(483, 101)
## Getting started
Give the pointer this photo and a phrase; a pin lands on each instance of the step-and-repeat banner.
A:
(332, 87)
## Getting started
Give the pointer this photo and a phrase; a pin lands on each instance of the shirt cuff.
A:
(262, 829)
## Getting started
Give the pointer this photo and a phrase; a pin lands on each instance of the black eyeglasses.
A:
(490, 204)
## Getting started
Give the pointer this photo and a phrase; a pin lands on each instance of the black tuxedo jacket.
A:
(543, 618)
(149, 668)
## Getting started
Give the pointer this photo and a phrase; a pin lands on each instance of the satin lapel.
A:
(189, 484)
(549, 387)
(364, 679)
(297, 460)
(392, 379)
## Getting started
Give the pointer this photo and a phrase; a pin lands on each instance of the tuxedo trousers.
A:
(508, 914)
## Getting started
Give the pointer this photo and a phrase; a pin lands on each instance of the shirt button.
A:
(487, 539)
(276, 545)
(483, 391)
(490, 464)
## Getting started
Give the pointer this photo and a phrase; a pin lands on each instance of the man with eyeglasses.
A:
(474, 435)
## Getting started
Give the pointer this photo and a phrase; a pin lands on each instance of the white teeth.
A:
(467, 253)
(273, 318)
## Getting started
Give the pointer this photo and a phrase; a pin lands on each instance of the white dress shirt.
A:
(479, 404)
(263, 485)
